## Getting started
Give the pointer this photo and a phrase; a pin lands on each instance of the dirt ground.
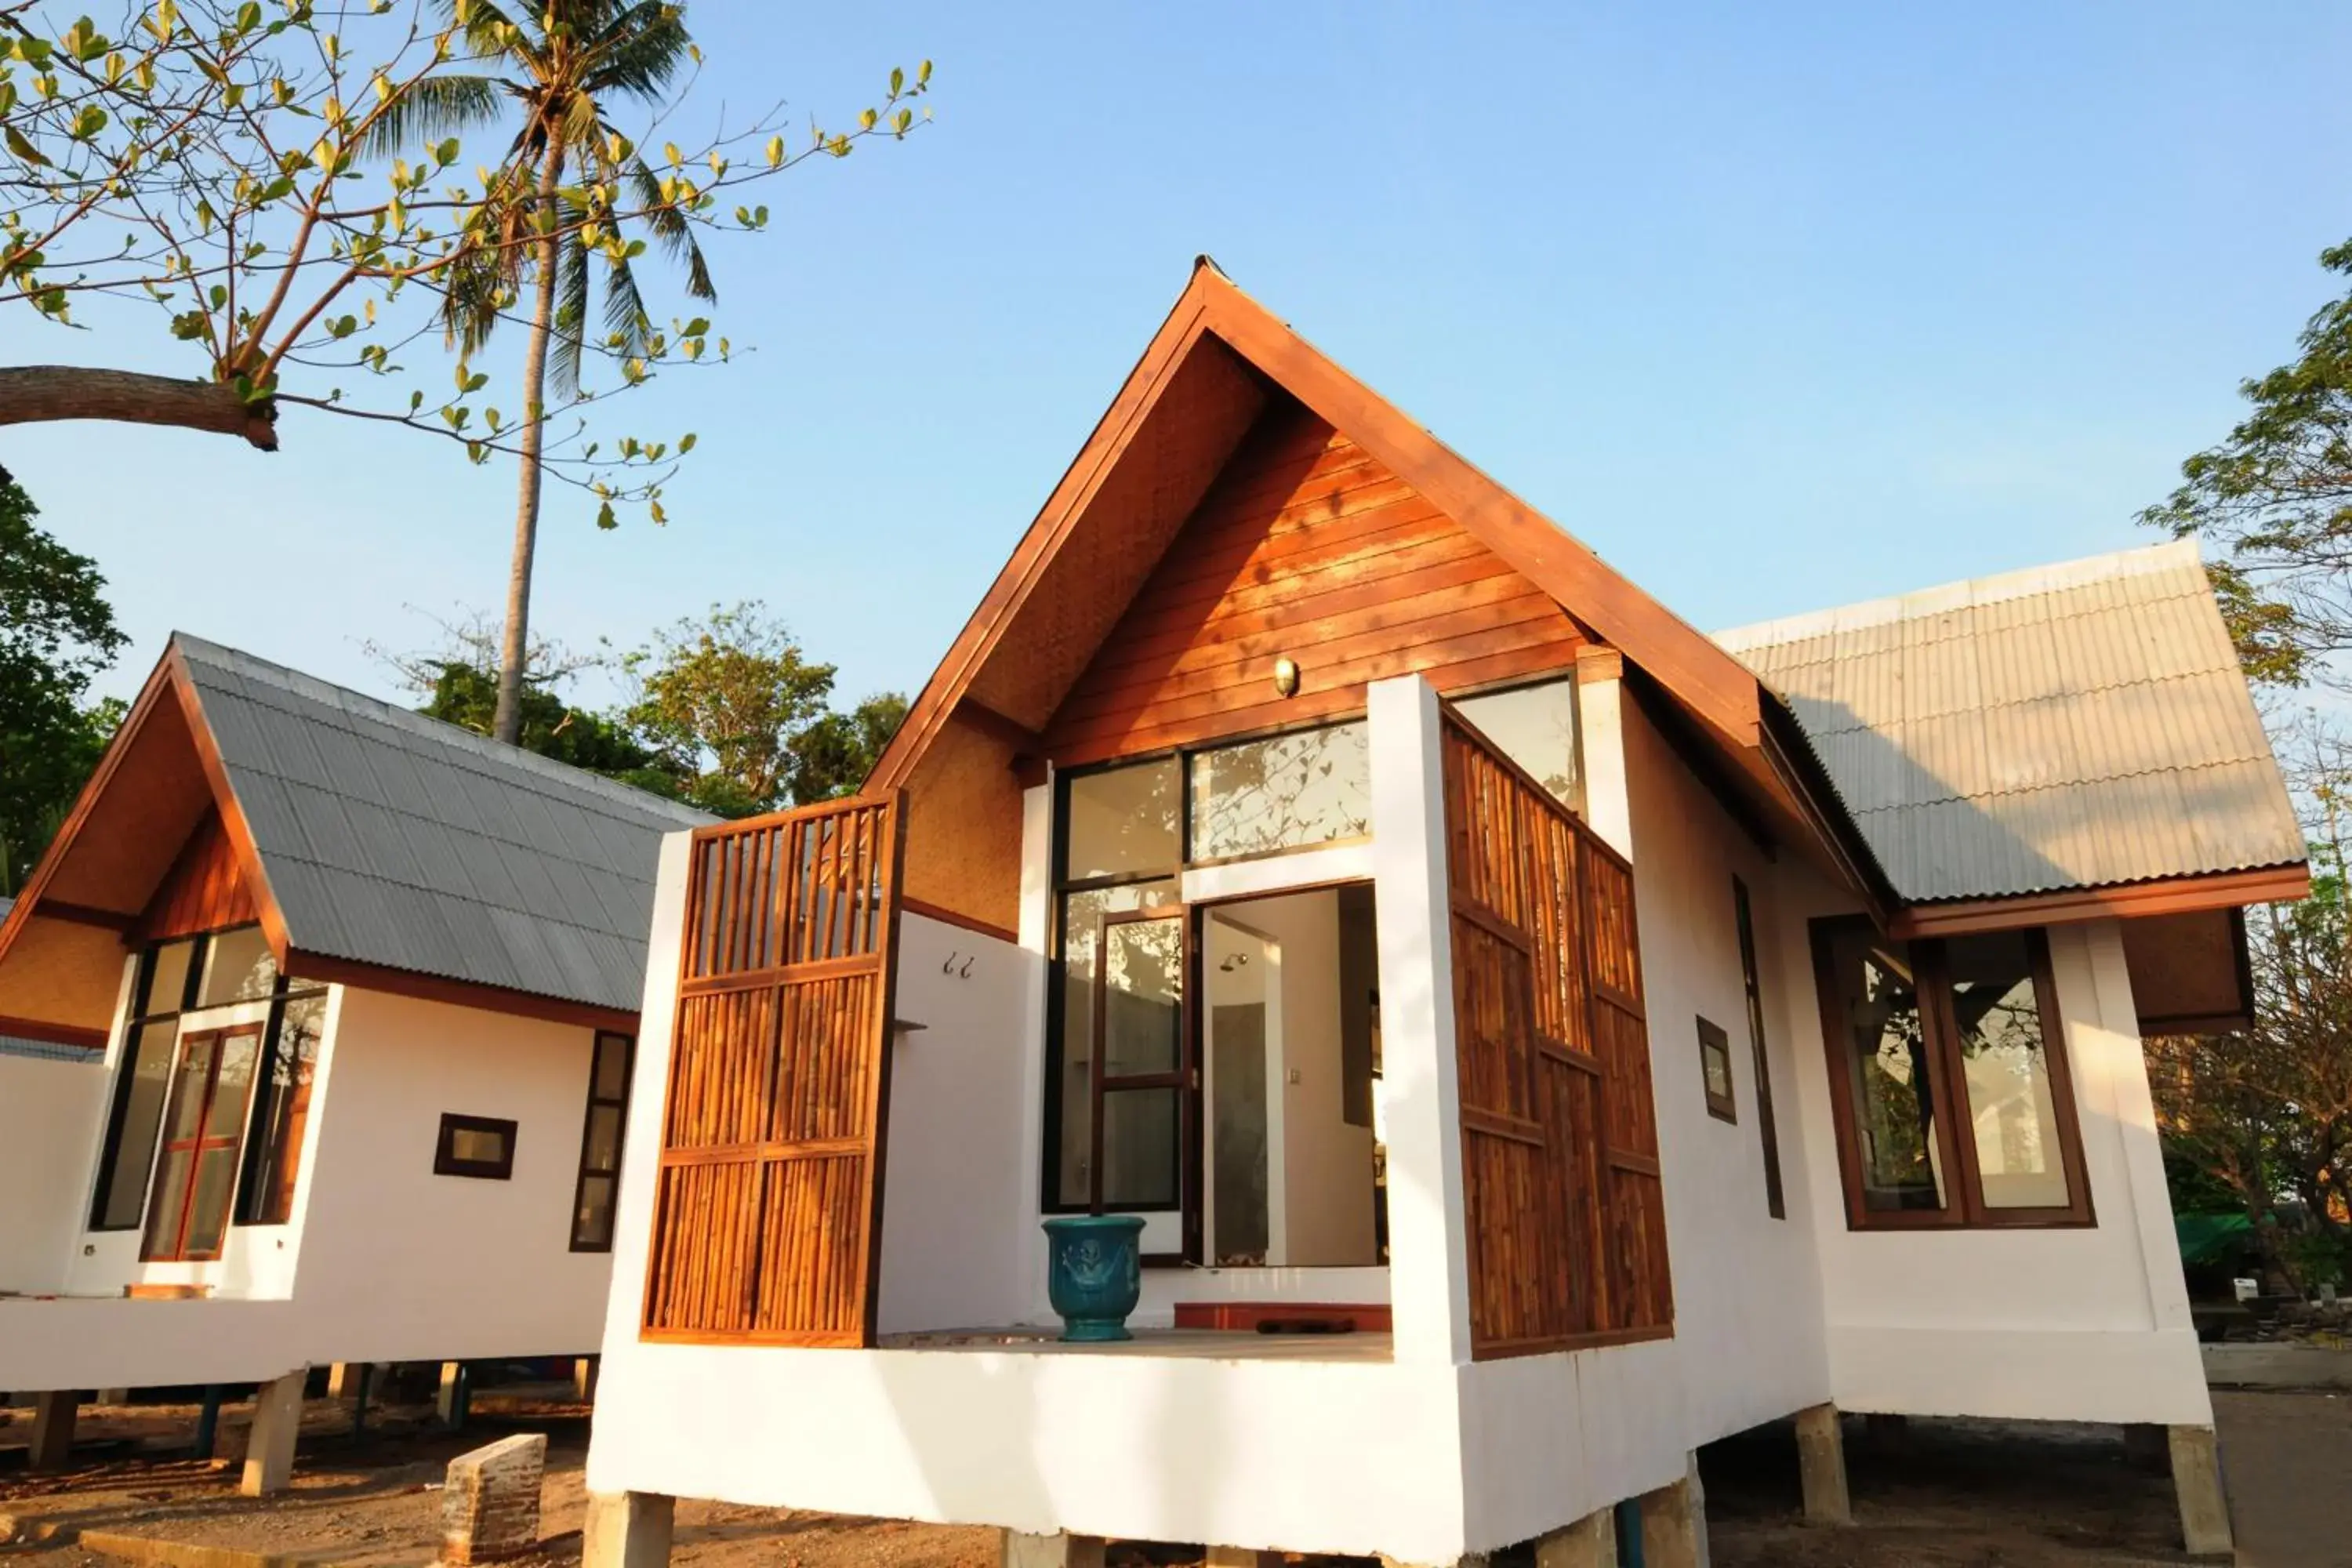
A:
(1942, 1493)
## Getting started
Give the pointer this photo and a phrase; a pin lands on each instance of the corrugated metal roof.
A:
(2072, 726)
(391, 838)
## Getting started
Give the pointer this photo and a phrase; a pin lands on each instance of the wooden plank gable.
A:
(1307, 546)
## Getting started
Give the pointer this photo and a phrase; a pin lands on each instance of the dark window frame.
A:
(620, 1143)
(1776, 1197)
(446, 1163)
(196, 1143)
(1964, 1208)
(1713, 1038)
(253, 1179)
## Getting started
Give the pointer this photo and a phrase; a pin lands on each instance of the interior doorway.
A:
(1289, 1049)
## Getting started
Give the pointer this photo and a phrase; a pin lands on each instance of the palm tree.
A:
(561, 66)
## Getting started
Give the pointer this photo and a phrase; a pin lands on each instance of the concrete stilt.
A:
(627, 1530)
(2197, 1484)
(53, 1428)
(360, 1397)
(1674, 1522)
(1820, 1464)
(1590, 1542)
(451, 1404)
(270, 1448)
(1020, 1550)
(583, 1378)
(112, 1396)
(340, 1376)
(1239, 1557)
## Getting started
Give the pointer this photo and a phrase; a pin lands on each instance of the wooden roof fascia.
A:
(24, 911)
(2125, 901)
(240, 831)
(1021, 574)
(328, 970)
(1702, 675)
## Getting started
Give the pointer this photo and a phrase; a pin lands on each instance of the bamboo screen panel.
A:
(1565, 1215)
(770, 1192)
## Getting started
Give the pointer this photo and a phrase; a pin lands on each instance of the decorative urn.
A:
(1094, 1273)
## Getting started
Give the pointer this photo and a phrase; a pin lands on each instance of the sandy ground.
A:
(1943, 1493)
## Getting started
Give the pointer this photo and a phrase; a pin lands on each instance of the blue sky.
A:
(1775, 312)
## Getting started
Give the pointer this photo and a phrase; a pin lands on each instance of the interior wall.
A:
(1327, 1163)
(957, 1180)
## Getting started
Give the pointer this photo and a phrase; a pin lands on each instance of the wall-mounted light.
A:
(1286, 676)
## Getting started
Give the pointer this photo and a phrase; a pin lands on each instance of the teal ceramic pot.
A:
(1094, 1267)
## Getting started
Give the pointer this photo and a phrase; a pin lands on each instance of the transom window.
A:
(1947, 1067)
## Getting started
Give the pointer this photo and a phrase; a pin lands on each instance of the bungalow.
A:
(1535, 1039)
(332, 1010)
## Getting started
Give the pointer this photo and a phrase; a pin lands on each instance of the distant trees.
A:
(57, 635)
(723, 710)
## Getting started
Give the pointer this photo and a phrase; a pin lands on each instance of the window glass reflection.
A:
(2012, 1118)
(1122, 821)
(1310, 786)
(1536, 727)
(1886, 1064)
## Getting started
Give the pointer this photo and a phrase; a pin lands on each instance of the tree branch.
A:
(44, 392)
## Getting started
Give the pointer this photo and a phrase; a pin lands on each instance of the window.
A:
(204, 1121)
(480, 1146)
(1947, 1067)
(1286, 792)
(1536, 727)
(1715, 1071)
(141, 1084)
(600, 1144)
(281, 1111)
(1776, 1201)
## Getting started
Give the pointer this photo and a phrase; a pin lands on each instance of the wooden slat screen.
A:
(770, 1190)
(1565, 1220)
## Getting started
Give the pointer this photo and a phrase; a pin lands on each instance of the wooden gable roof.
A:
(1030, 674)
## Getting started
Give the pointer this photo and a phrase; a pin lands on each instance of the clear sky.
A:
(1775, 307)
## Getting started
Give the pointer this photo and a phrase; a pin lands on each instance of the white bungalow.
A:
(1537, 1040)
(334, 1008)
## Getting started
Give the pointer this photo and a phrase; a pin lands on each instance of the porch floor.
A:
(1199, 1344)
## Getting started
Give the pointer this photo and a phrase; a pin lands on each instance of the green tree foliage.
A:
(57, 634)
(735, 707)
(2276, 498)
(833, 755)
(2265, 1115)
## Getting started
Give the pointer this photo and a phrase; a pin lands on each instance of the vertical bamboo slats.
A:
(768, 1194)
(1566, 1220)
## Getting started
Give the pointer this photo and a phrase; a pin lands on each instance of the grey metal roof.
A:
(388, 837)
(2072, 726)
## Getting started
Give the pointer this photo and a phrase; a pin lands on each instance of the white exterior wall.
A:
(2080, 1324)
(1548, 1439)
(46, 1112)
(1337, 1455)
(382, 1261)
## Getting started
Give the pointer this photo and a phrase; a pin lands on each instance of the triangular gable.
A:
(155, 834)
(1219, 363)
(1020, 624)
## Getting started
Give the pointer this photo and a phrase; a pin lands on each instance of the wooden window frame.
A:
(620, 1145)
(142, 1011)
(1776, 1196)
(200, 1144)
(253, 1180)
(446, 1161)
(1713, 1037)
(1965, 1208)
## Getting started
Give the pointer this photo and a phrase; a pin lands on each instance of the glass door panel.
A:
(1140, 1080)
(203, 1127)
